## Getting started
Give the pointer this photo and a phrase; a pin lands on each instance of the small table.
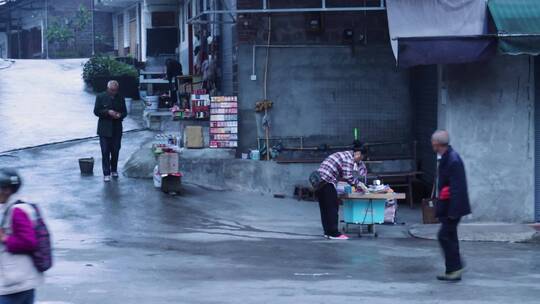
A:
(366, 209)
(406, 180)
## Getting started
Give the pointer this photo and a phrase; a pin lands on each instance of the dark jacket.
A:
(452, 174)
(108, 126)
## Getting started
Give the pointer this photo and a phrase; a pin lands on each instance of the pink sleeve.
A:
(23, 237)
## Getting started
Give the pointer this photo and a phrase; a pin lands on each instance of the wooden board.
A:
(374, 196)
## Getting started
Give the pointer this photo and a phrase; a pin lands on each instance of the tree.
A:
(59, 32)
(80, 21)
(63, 31)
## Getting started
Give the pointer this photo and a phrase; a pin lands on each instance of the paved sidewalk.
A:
(482, 232)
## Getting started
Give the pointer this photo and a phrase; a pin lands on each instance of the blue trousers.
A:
(25, 297)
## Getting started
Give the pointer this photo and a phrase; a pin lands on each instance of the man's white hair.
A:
(441, 137)
(113, 84)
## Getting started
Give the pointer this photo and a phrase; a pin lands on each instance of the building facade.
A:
(328, 72)
(54, 29)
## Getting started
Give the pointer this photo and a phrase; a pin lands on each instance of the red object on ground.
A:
(445, 193)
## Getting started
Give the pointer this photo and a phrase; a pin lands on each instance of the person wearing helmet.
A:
(19, 277)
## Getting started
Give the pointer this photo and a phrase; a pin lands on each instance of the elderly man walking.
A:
(111, 109)
(453, 203)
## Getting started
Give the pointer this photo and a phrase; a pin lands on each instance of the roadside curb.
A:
(74, 140)
(6, 64)
(482, 232)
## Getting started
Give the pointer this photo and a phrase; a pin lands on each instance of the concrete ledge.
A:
(246, 175)
(481, 232)
(218, 169)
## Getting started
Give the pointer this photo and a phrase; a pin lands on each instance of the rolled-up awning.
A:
(518, 25)
(439, 31)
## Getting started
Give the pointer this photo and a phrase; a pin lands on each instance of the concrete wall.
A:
(246, 175)
(323, 92)
(488, 109)
(104, 31)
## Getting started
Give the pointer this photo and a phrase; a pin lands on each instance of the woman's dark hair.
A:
(359, 147)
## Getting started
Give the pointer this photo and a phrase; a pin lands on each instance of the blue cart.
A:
(365, 210)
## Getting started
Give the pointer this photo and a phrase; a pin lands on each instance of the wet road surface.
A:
(126, 242)
(43, 101)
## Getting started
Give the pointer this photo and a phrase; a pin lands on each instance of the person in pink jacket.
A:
(18, 276)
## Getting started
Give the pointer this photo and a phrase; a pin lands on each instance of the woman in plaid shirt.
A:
(341, 166)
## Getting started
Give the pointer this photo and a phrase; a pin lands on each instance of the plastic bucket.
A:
(129, 105)
(255, 155)
(86, 165)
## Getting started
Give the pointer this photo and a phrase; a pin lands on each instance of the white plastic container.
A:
(157, 178)
(129, 105)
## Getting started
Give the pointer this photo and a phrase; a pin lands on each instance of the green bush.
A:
(104, 66)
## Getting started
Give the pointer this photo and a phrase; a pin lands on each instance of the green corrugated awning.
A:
(518, 25)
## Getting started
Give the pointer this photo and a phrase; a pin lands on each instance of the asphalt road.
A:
(126, 242)
(43, 101)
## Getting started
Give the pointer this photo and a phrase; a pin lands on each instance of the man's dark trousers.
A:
(448, 238)
(329, 206)
(110, 151)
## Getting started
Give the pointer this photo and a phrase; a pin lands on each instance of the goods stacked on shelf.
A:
(200, 106)
(164, 143)
(224, 122)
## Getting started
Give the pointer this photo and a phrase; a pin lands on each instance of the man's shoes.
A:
(341, 237)
(114, 174)
(107, 178)
(454, 276)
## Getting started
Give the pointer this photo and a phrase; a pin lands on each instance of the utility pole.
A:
(46, 29)
(92, 6)
(8, 29)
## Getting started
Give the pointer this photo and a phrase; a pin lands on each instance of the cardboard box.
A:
(193, 137)
(169, 163)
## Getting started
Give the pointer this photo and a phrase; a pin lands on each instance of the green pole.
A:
(355, 133)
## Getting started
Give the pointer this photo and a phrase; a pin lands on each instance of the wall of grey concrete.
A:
(246, 175)
(325, 91)
(488, 108)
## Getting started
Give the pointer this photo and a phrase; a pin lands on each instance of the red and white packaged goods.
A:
(224, 122)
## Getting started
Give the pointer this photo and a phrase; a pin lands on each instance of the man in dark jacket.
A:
(111, 109)
(453, 202)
